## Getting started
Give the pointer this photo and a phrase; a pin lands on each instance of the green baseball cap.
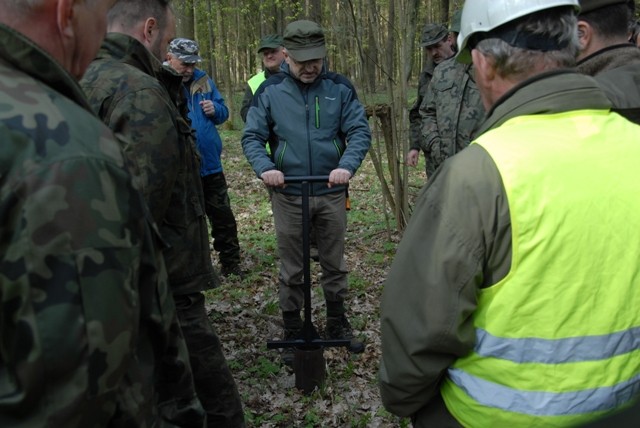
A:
(270, 41)
(304, 41)
(432, 34)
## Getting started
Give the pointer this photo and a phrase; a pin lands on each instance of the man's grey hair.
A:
(557, 24)
(129, 12)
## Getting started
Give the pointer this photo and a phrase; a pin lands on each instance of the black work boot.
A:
(229, 270)
(338, 327)
(292, 330)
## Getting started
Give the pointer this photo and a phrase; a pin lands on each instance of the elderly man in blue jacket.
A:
(206, 110)
(316, 126)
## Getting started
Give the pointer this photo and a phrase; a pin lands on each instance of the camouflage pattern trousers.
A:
(214, 382)
(224, 229)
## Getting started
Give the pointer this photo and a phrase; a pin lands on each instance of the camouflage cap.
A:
(271, 41)
(589, 5)
(455, 21)
(432, 34)
(186, 50)
(304, 41)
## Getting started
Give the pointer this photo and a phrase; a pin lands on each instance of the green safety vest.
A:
(558, 339)
(256, 81)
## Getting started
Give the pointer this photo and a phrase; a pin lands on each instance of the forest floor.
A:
(245, 313)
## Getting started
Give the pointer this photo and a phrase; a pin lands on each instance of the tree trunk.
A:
(314, 10)
(185, 25)
(444, 11)
(212, 42)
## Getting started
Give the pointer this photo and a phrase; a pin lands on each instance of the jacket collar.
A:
(127, 50)
(24, 55)
(609, 58)
(547, 93)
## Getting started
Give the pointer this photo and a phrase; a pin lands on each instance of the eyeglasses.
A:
(310, 62)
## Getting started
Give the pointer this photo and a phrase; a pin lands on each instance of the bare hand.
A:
(273, 178)
(412, 157)
(207, 107)
(339, 176)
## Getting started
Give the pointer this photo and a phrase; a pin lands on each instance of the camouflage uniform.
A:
(451, 111)
(415, 121)
(134, 94)
(431, 34)
(84, 302)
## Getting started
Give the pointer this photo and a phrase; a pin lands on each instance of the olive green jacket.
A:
(458, 240)
(617, 71)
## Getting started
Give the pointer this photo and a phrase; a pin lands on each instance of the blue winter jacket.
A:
(200, 88)
(312, 128)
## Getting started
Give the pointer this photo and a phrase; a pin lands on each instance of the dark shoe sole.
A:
(356, 347)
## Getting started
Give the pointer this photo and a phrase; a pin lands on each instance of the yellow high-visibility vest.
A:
(558, 339)
(255, 81)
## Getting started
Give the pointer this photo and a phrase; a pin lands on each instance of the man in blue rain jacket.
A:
(206, 110)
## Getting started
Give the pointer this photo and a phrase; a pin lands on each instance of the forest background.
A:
(376, 44)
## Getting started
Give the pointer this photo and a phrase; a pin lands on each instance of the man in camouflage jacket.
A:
(438, 45)
(451, 111)
(133, 93)
(84, 305)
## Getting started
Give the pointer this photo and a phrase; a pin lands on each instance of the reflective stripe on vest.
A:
(255, 81)
(542, 403)
(557, 351)
(558, 339)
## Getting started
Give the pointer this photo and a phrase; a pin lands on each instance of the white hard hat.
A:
(479, 16)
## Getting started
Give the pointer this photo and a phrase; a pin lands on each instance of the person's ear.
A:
(65, 14)
(150, 30)
(486, 77)
(483, 65)
(585, 35)
(286, 55)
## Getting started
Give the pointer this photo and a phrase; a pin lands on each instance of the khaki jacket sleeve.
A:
(449, 250)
